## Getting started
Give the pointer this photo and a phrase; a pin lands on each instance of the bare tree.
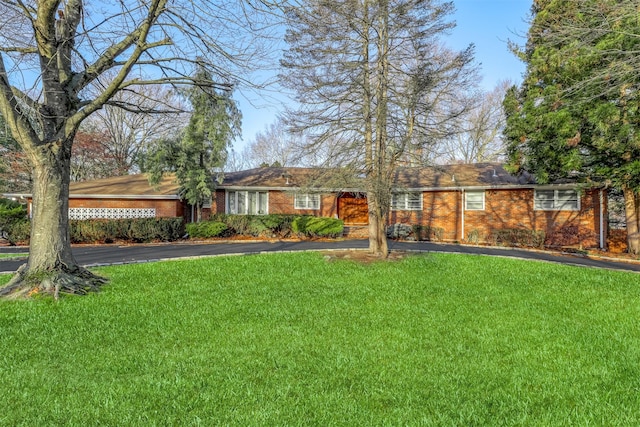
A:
(276, 146)
(480, 130)
(130, 131)
(374, 82)
(52, 51)
(89, 159)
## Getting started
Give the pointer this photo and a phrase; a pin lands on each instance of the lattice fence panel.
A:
(111, 213)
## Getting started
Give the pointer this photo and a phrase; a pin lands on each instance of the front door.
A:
(353, 209)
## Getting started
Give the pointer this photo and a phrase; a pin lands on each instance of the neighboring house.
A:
(462, 202)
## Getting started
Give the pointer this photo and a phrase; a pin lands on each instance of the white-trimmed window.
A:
(556, 200)
(406, 201)
(306, 201)
(247, 202)
(474, 201)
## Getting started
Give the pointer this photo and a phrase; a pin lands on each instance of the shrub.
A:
(239, 224)
(207, 229)
(256, 225)
(400, 231)
(133, 229)
(426, 232)
(18, 232)
(277, 225)
(14, 224)
(299, 224)
(271, 224)
(324, 227)
(473, 236)
(518, 237)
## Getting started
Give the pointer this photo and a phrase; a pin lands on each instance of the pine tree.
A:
(577, 111)
(202, 147)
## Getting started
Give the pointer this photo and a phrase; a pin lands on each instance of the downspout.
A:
(602, 242)
(462, 215)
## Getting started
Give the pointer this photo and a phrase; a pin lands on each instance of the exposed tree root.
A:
(75, 281)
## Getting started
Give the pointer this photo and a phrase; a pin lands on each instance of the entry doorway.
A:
(353, 209)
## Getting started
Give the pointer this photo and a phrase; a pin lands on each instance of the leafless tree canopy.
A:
(479, 134)
(374, 83)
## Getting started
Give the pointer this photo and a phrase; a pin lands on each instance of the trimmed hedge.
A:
(257, 225)
(138, 230)
(275, 225)
(324, 227)
(207, 229)
(14, 224)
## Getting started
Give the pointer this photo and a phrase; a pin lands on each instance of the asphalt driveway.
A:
(91, 256)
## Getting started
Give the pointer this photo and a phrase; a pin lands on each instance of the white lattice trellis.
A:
(111, 213)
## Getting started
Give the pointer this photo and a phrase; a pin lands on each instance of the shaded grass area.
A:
(13, 256)
(291, 339)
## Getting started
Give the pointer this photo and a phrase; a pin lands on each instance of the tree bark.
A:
(51, 267)
(632, 214)
(378, 244)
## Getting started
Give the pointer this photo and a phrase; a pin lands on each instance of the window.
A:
(247, 202)
(556, 200)
(406, 201)
(474, 201)
(307, 201)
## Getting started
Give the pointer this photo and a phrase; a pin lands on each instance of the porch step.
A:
(356, 232)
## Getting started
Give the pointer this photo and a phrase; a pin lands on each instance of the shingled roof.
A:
(479, 175)
(433, 177)
(460, 175)
(126, 186)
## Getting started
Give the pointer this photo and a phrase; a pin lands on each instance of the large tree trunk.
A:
(51, 267)
(632, 215)
(378, 244)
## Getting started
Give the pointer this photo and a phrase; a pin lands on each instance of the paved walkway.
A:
(98, 255)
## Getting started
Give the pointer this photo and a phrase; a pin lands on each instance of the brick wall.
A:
(281, 202)
(504, 209)
(509, 209)
(218, 202)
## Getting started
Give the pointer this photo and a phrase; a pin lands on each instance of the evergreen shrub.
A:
(207, 229)
(324, 227)
(14, 224)
(136, 230)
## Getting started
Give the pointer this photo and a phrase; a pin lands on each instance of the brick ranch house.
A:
(460, 201)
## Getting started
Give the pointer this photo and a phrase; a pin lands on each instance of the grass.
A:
(291, 339)
(13, 255)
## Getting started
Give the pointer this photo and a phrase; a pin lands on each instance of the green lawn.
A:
(13, 256)
(291, 339)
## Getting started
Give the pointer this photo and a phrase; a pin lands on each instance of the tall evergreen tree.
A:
(577, 112)
(202, 147)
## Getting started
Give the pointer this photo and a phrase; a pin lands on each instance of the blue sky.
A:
(488, 24)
